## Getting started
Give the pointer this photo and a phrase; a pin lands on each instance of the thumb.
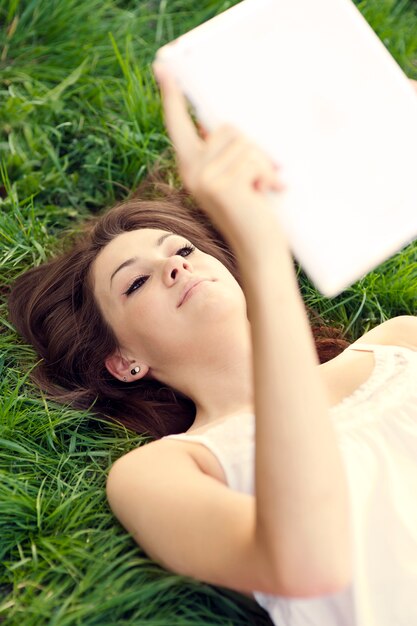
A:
(177, 119)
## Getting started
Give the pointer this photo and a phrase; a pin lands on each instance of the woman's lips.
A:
(189, 289)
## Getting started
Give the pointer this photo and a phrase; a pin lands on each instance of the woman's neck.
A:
(218, 377)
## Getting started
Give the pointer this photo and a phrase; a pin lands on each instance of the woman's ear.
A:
(125, 369)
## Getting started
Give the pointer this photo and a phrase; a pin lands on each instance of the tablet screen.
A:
(312, 85)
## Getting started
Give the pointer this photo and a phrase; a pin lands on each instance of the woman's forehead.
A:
(127, 245)
(141, 236)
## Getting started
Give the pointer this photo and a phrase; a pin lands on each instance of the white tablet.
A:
(311, 83)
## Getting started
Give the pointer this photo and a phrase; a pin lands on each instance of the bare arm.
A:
(302, 511)
(194, 525)
(301, 492)
(291, 539)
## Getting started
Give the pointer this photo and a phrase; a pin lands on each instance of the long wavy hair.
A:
(53, 308)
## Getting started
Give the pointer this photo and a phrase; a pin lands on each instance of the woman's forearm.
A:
(301, 490)
(301, 494)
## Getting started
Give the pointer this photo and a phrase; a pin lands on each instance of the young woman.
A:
(310, 506)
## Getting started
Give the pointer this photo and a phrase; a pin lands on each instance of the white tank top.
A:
(376, 427)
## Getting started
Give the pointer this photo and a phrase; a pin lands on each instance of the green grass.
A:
(80, 123)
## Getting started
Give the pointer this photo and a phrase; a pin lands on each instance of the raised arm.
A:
(302, 512)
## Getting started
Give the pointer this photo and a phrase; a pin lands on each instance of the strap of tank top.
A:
(367, 347)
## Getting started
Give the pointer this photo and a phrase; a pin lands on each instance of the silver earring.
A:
(124, 379)
(135, 370)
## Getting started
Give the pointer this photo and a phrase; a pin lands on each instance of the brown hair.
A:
(52, 306)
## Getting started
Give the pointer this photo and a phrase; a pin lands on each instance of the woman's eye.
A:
(185, 250)
(137, 284)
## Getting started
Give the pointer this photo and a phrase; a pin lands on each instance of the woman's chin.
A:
(222, 311)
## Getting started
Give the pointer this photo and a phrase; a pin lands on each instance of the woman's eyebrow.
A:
(129, 262)
(124, 264)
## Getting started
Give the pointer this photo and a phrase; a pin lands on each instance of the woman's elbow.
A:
(311, 586)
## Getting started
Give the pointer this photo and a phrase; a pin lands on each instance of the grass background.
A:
(80, 124)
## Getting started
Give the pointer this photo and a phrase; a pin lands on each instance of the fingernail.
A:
(202, 131)
(280, 185)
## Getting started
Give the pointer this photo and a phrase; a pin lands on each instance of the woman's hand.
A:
(226, 173)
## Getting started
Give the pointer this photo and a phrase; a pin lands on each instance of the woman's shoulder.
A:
(150, 451)
(397, 331)
(148, 459)
(169, 454)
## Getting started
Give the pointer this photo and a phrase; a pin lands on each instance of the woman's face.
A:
(164, 298)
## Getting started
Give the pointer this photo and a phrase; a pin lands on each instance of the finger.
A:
(202, 131)
(271, 184)
(221, 140)
(177, 119)
(258, 168)
(243, 161)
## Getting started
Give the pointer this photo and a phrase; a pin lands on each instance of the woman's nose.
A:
(175, 266)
